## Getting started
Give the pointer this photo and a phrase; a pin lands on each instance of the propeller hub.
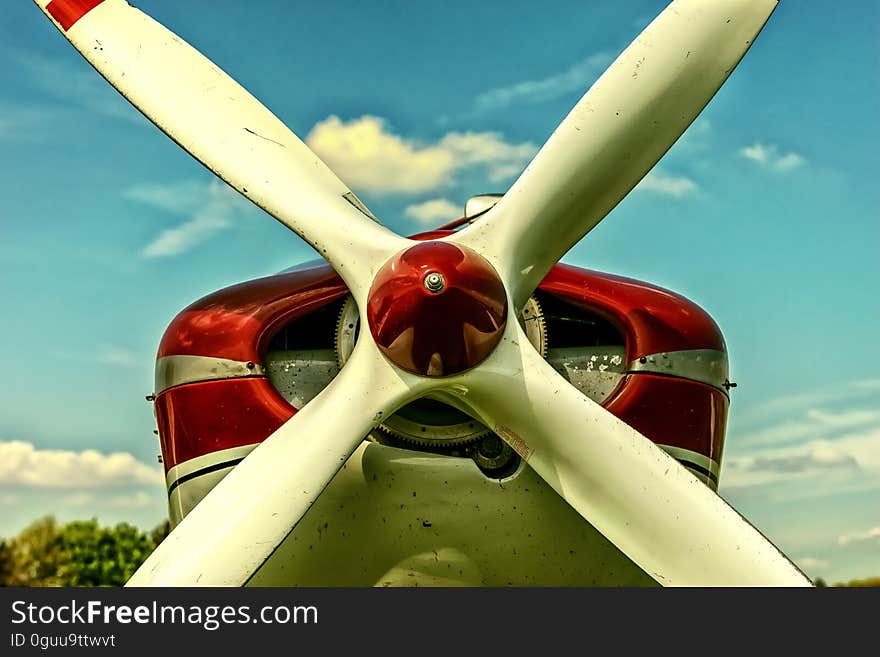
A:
(435, 282)
(437, 309)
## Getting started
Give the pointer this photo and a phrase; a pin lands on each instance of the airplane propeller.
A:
(653, 509)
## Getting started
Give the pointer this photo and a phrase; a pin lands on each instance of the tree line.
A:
(79, 553)
(82, 553)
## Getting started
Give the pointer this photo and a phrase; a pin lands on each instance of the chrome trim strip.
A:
(707, 366)
(700, 460)
(188, 491)
(188, 482)
(206, 461)
(176, 370)
(707, 479)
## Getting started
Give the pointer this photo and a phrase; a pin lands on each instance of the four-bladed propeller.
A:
(649, 506)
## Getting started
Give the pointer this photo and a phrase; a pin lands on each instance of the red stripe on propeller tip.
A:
(68, 12)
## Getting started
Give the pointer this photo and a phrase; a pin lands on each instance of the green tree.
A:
(870, 581)
(30, 558)
(90, 555)
(80, 553)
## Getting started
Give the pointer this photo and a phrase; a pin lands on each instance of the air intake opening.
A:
(306, 354)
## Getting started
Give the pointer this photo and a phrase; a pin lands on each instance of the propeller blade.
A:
(236, 527)
(225, 128)
(620, 128)
(653, 509)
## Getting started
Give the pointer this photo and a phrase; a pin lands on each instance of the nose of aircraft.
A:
(437, 309)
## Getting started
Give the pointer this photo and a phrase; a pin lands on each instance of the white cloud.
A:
(577, 78)
(138, 500)
(435, 211)
(27, 122)
(784, 432)
(78, 86)
(768, 156)
(811, 563)
(872, 534)
(641, 22)
(788, 161)
(114, 355)
(811, 454)
(209, 207)
(182, 238)
(501, 160)
(864, 445)
(697, 137)
(660, 183)
(80, 498)
(820, 459)
(368, 157)
(844, 459)
(185, 197)
(786, 405)
(844, 419)
(22, 464)
(811, 424)
(803, 415)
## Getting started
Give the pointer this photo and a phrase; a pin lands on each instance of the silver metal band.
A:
(175, 370)
(707, 366)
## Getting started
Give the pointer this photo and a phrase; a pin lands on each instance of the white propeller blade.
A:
(236, 527)
(620, 128)
(228, 130)
(652, 508)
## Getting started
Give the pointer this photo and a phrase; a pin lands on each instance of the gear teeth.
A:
(538, 313)
(345, 309)
(427, 442)
(545, 334)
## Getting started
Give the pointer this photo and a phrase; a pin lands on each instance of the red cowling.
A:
(237, 323)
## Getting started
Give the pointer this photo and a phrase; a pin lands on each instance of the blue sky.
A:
(765, 213)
